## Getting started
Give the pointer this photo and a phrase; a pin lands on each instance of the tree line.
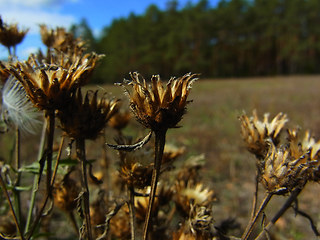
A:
(235, 38)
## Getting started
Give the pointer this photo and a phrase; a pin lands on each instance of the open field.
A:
(211, 126)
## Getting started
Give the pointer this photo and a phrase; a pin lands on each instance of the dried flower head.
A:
(65, 194)
(158, 107)
(17, 108)
(307, 147)
(282, 172)
(59, 39)
(84, 118)
(10, 35)
(254, 132)
(190, 193)
(135, 166)
(198, 226)
(49, 87)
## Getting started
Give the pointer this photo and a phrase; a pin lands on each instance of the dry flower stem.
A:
(253, 221)
(284, 208)
(36, 179)
(81, 154)
(4, 188)
(160, 140)
(39, 216)
(16, 193)
(132, 212)
(50, 134)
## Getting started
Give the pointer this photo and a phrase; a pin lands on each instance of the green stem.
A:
(35, 181)
(160, 140)
(50, 134)
(4, 188)
(283, 209)
(253, 221)
(81, 154)
(17, 199)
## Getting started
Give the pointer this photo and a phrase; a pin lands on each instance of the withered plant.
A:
(147, 188)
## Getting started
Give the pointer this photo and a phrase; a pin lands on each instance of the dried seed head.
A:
(65, 194)
(49, 87)
(254, 132)
(59, 39)
(171, 153)
(157, 107)
(84, 118)
(282, 172)
(190, 193)
(135, 167)
(309, 148)
(199, 225)
(10, 35)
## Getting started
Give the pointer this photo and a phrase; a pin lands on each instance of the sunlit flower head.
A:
(49, 86)
(254, 132)
(158, 107)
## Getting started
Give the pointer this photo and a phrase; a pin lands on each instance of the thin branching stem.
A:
(4, 188)
(81, 154)
(39, 216)
(50, 135)
(132, 212)
(253, 221)
(160, 140)
(17, 199)
(283, 209)
(57, 162)
(36, 180)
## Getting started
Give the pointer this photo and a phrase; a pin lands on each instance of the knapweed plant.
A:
(136, 187)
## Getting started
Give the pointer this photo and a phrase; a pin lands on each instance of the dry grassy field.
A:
(211, 127)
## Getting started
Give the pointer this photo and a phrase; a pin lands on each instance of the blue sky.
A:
(98, 13)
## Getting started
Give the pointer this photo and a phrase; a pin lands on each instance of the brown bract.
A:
(286, 168)
(84, 118)
(254, 132)
(158, 107)
(49, 86)
(10, 35)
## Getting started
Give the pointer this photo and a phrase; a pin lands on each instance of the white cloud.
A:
(32, 3)
(32, 18)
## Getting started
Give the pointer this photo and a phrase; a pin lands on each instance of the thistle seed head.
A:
(190, 193)
(59, 39)
(254, 132)
(282, 172)
(85, 117)
(49, 86)
(10, 35)
(158, 107)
